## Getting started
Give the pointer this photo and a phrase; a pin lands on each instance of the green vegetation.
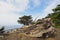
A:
(55, 16)
(2, 29)
(26, 20)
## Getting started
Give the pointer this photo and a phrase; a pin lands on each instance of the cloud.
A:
(8, 19)
(20, 5)
(17, 5)
(8, 9)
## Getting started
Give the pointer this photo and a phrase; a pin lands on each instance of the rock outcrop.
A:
(44, 26)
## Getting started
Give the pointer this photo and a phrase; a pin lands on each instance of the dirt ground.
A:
(16, 37)
(57, 37)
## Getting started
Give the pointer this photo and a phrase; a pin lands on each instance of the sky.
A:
(11, 10)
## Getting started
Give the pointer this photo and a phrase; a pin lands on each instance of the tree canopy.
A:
(26, 20)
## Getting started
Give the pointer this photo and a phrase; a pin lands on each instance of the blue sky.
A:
(11, 10)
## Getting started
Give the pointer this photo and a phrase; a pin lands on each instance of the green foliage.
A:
(57, 9)
(2, 29)
(25, 20)
(55, 16)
